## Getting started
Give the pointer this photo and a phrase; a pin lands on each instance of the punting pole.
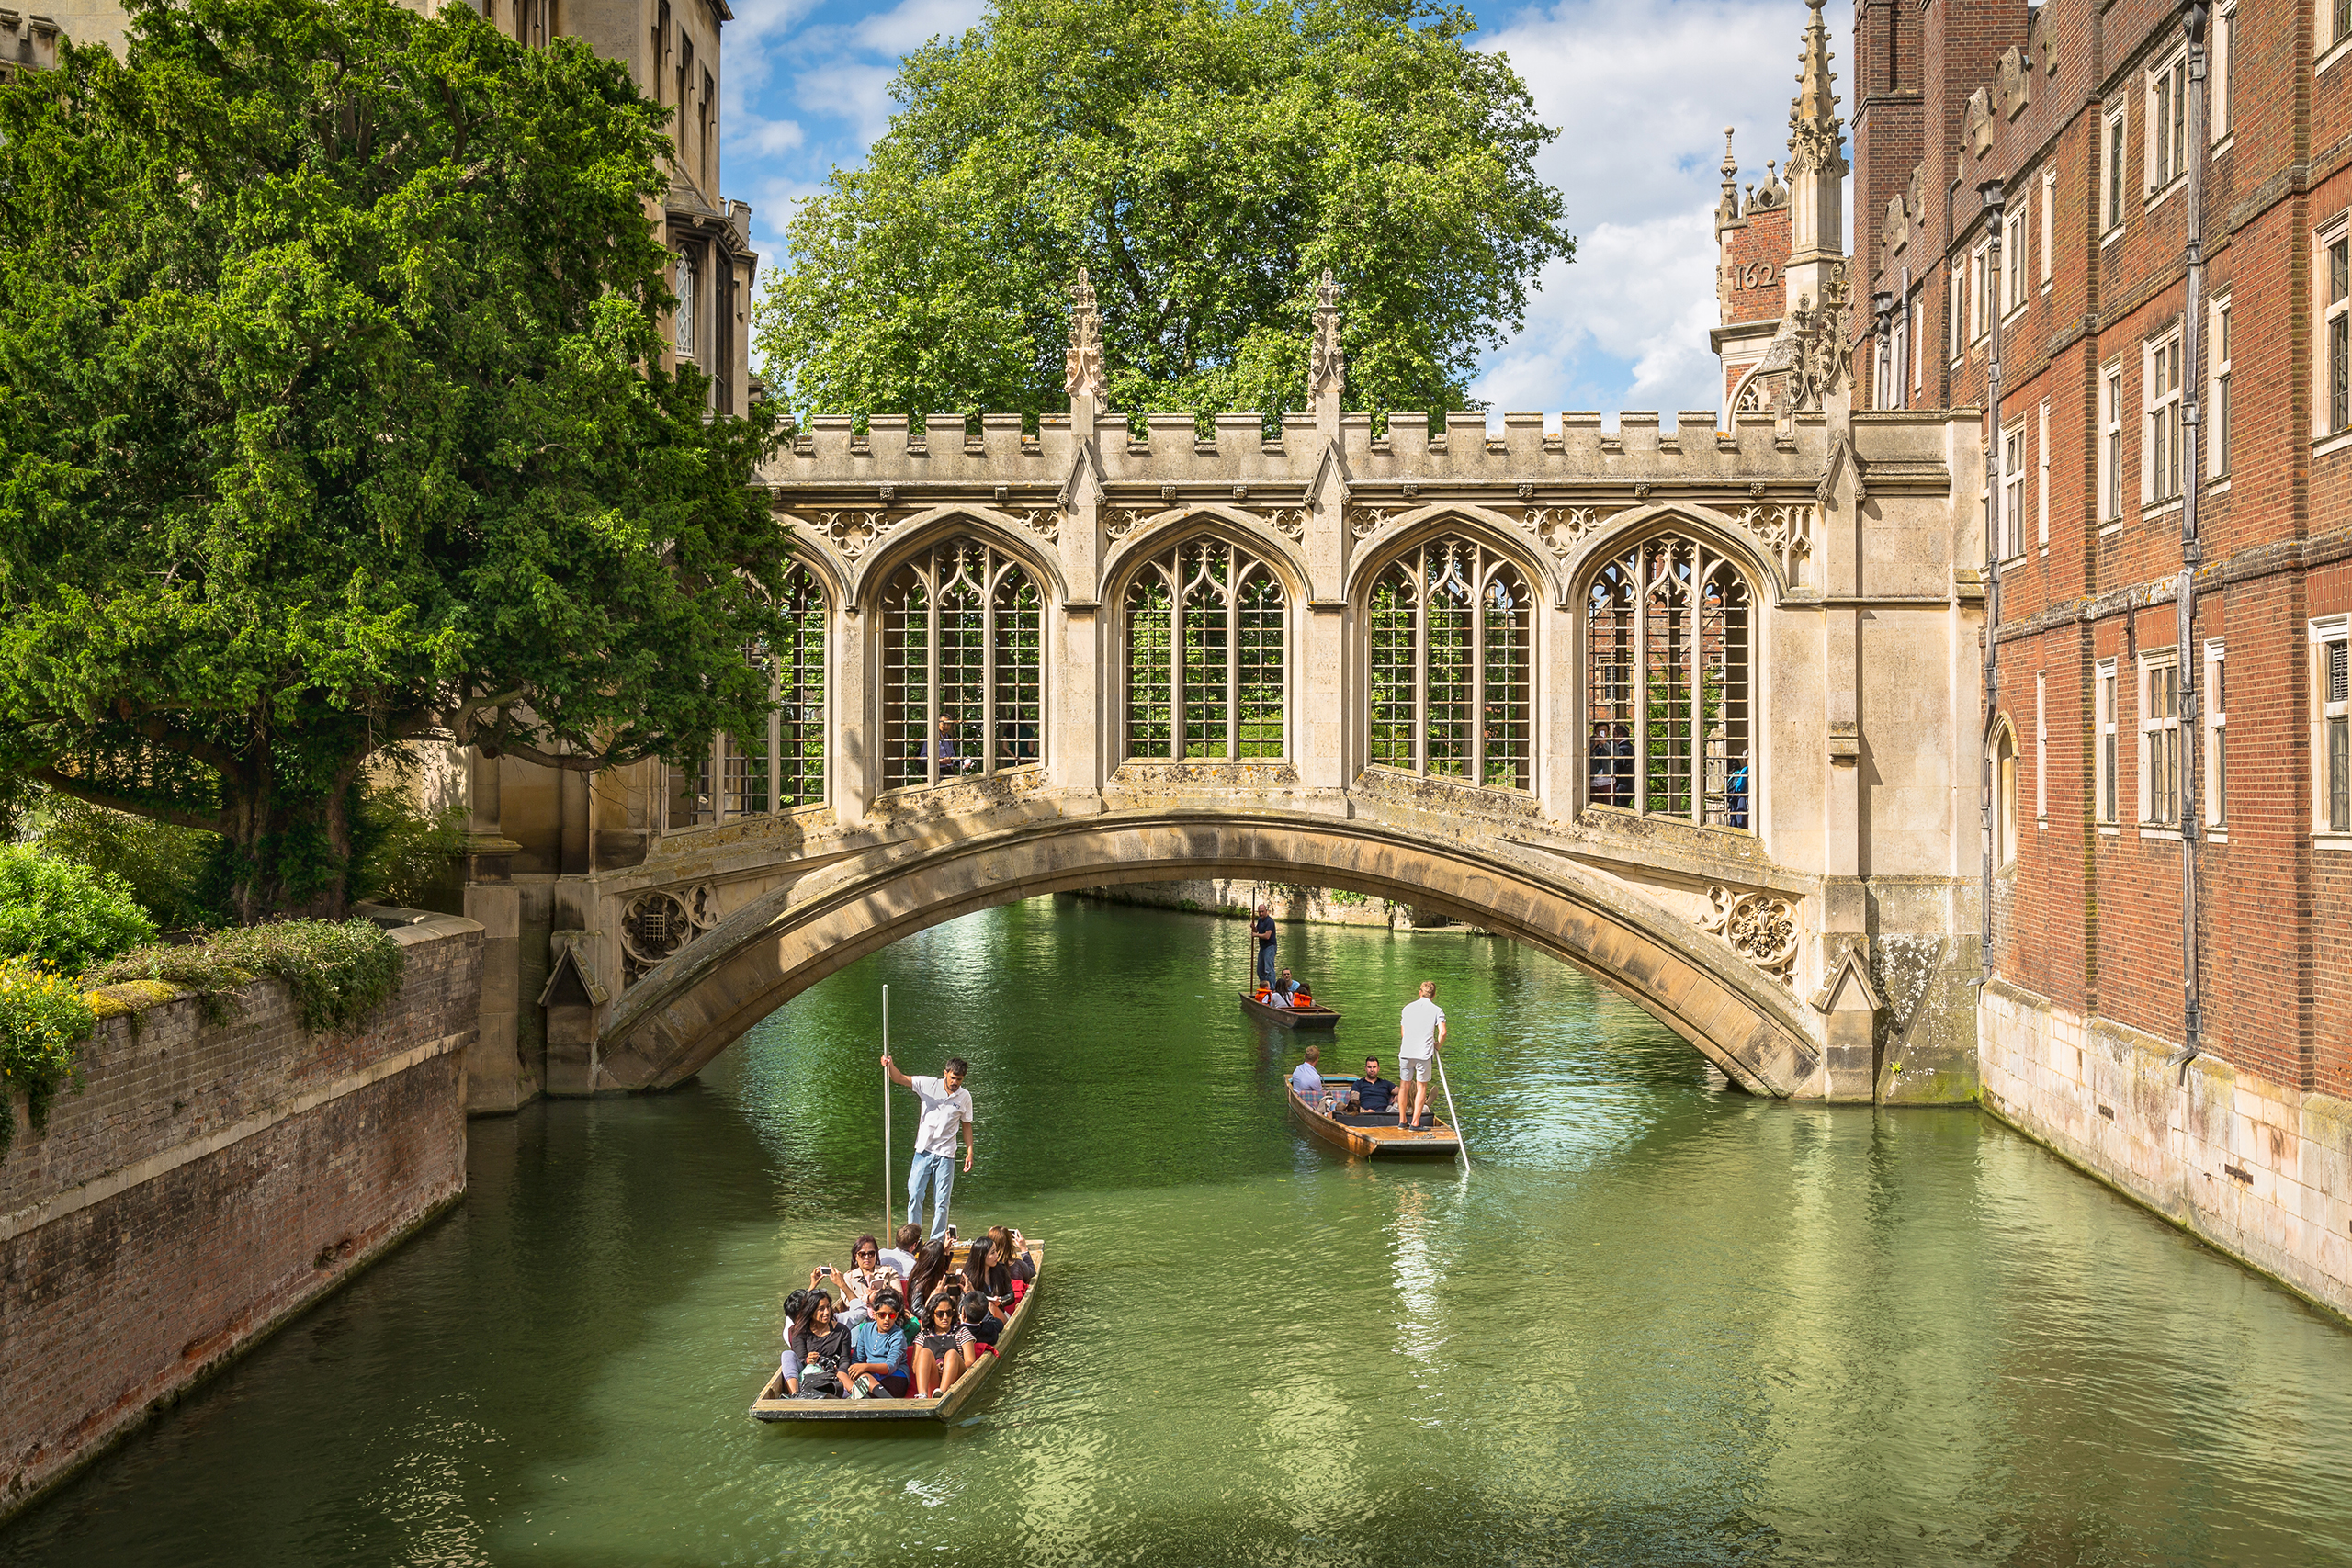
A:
(886, 1114)
(1461, 1145)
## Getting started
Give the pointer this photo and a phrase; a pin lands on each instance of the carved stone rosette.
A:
(1759, 927)
(657, 924)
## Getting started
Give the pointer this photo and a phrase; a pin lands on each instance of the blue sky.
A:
(1640, 89)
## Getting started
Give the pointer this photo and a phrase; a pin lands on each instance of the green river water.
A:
(1659, 1321)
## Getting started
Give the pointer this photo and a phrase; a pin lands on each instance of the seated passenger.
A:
(939, 1357)
(1281, 988)
(868, 1274)
(981, 1327)
(902, 1253)
(1305, 1080)
(1373, 1091)
(817, 1350)
(880, 1346)
(930, 1270)
(989, 1267)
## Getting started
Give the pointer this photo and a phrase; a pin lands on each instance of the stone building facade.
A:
(2103, 127)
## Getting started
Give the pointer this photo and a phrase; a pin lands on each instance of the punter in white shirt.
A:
(946, 1105)
(1420, 1036)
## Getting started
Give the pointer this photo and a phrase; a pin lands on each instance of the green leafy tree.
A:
(1206, 160)
(332, 415)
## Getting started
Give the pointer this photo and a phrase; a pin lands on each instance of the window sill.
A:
(2218, 487)
(2217, 835)
(2229, 139)
(2156, 195)
(2333, 54)
(2113, 526)
(1630, 814)
(2155, 509)
(2109, 830)
(2016, 560)
(2328, 839)
(2017, 315)
(2147, 831)
(2335, 441)
(2113, 234)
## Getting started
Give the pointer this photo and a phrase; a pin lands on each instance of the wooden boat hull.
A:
(773, 1404)
(1316, 1017)
(1380, 1140)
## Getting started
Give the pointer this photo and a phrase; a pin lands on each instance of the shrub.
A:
(43, 1018)
(65, 916)
(339, 972)
(180, 875)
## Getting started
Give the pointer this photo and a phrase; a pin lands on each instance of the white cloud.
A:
(912, 23)
(1640, 91)
(750, 134)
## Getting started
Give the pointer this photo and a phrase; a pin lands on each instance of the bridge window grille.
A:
(1668, 627)
(962, 683)
(1450, 632)
(1205, 665)
(782, 765)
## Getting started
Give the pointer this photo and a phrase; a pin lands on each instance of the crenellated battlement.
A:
(1573, 448)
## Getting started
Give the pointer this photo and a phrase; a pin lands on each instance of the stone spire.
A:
(1728, 210)
(1816, 169)
(1326, 368)
(1082, 368)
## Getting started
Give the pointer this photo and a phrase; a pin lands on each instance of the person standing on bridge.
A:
(1420, 1036)
(1262, 928)
(946, 1104)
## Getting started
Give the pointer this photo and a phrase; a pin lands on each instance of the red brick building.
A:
(2089, 114)
(2082, 131)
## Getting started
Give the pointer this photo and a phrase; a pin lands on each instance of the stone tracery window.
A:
(961, 666)
(1668, 652)
(782, 765)
(1205, 666)
(1450, 632)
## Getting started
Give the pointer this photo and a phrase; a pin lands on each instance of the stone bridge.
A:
(1691, 709)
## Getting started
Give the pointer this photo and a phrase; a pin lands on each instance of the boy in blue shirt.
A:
(879, 1345)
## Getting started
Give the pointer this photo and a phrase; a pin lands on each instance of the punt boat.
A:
(775, 1404)
(1316, 1017)
(1369, 1136)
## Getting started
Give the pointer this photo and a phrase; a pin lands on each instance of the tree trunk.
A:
(292, 850)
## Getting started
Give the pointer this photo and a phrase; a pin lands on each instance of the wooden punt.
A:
(775, 1404)
(1372, 1137)
(1316, 1017)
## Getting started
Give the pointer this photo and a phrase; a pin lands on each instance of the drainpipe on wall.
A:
(1991, 193)
(2193, 17)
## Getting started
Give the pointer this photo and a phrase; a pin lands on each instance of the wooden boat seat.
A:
(1375, 1118)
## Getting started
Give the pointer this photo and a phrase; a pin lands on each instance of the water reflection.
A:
(1658, 1324)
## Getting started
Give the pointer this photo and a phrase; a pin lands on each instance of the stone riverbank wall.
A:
(1238, 896)
(2259, 1169)
(208, 1181)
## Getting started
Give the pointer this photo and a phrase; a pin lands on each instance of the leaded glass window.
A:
(781, 765)
(1668, 690)
(1206, 656)
(962, 688)
(1449, 630)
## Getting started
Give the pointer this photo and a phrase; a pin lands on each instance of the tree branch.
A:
(83, 790)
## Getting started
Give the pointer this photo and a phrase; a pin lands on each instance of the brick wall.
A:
(208, 1181)
(2088, 921)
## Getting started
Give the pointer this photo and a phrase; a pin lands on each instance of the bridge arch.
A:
(1717, 531)
(1214, 519)
(870, 577)
(1410, 529)
(694, 1004)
